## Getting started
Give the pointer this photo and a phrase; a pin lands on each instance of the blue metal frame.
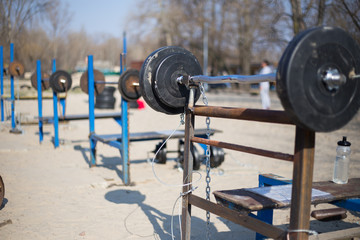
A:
(39, 96)
(123, 144)
(2, 83)
(91, 110)
(56, 117)
(13, 124)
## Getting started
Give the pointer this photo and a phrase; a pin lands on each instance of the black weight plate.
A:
(166, 87)
(16, 69)
(98, 87)
(2, 191)
(128, 90)
(217, 156)
(148, 76)
(60, 81)
(301, 89)
(45, 83)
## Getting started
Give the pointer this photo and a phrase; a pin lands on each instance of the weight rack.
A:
(303, 159)
(12, 91)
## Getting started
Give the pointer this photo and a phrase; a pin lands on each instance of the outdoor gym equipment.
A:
(318, 84)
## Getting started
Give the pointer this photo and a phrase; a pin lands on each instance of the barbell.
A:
(316, 80)
(128, 83)
(60, 81)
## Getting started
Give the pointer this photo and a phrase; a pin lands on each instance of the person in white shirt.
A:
(265, 86)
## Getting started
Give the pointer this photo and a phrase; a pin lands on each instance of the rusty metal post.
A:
(188, 168)
(302, 184)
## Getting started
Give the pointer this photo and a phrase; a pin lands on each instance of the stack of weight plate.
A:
(106, 99)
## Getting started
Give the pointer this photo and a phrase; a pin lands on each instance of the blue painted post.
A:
(2, 83)
(39, 93)
(13, 125)
(63, 105)
(124, 127)
(125, 141)
(56, 117)
(91, 110)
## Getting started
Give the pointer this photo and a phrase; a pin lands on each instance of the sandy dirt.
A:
(53, 194)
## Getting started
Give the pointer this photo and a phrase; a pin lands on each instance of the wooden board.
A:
(255, 199)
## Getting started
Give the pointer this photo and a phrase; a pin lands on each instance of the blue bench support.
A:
(273, 180)
(122, 145)
(39, 95)
(56, 117)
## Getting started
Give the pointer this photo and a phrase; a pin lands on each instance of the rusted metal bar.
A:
(302, 183)
(187, 173)
(268, 116)
(238, 218)
(256, 151)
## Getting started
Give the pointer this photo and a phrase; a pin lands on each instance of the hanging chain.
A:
(207, 157)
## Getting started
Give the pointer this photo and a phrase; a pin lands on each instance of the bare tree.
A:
(58, 18)
(15, 14)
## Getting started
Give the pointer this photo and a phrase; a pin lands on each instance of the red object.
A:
(141, 104)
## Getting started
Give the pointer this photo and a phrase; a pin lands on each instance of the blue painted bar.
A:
(63, 105)
(56, 117)
(13, 125)
(39, 93)
(2, 83)
(91, 109)
(349, 204)
(125, 142)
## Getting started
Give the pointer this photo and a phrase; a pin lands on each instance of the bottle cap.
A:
(344, 142)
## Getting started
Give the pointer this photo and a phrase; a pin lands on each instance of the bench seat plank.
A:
(254, 199)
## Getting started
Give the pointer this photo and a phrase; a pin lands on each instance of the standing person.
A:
(265, 86)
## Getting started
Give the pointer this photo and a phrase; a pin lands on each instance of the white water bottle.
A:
(341, 166)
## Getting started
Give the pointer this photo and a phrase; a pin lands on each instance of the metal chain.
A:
(207, 157)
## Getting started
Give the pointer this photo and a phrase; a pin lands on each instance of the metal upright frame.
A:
(122, 145)
(13, 123)
(39, 98)
(303, 159)
(55, 108)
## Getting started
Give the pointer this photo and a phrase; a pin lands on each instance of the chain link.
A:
(207, 157)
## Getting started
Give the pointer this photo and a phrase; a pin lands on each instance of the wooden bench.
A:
(266, 198)
(275, 197)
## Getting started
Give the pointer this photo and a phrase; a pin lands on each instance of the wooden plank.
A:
(337, 235)
(187, 172)
(236, 147)
(238, 218)
(302, 183)
(251, 199)
(268, 116)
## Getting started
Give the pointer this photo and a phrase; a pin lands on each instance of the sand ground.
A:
(53, 194)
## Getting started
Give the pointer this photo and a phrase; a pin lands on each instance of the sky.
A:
(100, 16)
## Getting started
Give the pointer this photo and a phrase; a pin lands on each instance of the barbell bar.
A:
(316, 79)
